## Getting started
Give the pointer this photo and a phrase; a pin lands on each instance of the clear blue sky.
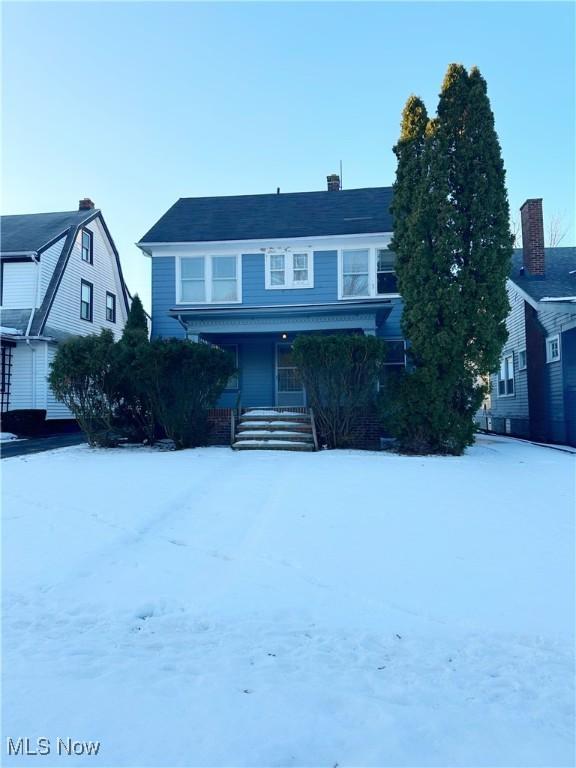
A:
(137, 104)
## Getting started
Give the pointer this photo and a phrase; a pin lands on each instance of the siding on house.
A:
(164, 298)
(569, 369)
(64, 314)
(29, 370)
(538, 408)
(391, 329)
(256, 354)
(325, 287)
(48, 261)
(54, 408)
(514, 407)
(552, 322)
(254, 292)
(19, 284)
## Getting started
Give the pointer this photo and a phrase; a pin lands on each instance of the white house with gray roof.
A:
(534, 393)
(60, 276)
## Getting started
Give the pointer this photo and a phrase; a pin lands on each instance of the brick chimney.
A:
(333, 182)
(85, 204)
(533, 237)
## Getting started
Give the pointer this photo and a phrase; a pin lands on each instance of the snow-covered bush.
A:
(184, 381)
(81, 377)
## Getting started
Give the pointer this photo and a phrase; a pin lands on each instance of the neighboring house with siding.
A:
(249, 273)
(533, 395)
(60, 277)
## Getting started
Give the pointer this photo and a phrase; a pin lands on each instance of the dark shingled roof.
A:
(15, 318)
(30, 231)
(34, 232)
(558, 281)
(290, 214)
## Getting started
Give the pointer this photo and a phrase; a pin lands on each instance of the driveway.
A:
(39, 444)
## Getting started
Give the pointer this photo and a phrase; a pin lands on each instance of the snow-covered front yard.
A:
(213, 608)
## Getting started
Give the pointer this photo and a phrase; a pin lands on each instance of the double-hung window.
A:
(287, 269)
(356, 272)
(277, 270)
(209, 279)
(87, 246)
(110, 307)
(386, 281)
(367, 273)
(86, 300)
(299, 268)
(506, 376)
(553, 348)
(395, 360)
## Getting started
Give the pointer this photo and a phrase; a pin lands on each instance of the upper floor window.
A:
(289, 270)
(553, 348)
(87, 243)
(356, 272)
(386, 281)
(522, 360)
(506, 376)
(86, 300)
(110, 307)
(207, 279)
(367, 272)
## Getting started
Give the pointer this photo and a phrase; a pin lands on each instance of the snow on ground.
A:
(220, 608)
(6, 437)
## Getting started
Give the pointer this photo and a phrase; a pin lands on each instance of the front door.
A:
(289, 387)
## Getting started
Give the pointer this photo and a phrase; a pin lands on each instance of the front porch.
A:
(261, 338)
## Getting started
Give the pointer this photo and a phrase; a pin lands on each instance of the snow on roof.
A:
(559, 298)
(10, 331)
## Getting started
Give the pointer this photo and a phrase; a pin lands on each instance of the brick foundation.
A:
(368, 431)
(219, 420)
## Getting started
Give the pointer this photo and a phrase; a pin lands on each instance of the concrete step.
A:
(274, 426)
(271, 445)
(274, 434)
(261, 416)
(293, 426)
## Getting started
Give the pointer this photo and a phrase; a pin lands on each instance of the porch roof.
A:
(366, 315)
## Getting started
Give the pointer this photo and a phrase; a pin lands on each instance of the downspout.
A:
(29, 326)
(183, 324)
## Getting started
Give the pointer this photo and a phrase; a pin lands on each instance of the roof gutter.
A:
(32, 254)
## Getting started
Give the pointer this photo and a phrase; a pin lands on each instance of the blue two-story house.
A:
(249, 273)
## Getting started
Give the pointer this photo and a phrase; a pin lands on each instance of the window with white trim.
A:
(367, 273)
(110, 307)
(287, 269)
(506, 376)
(553, 348)
(356, 272)
(86, 300)
(87, 246)
(386, 281)
(277, 270)
(395, 361)
(209, 279)
(233, 382)
(522, 360)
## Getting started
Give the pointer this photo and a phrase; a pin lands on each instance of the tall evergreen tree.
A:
(137, 320)
(453, 246)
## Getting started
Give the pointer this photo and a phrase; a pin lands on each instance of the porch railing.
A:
(314, 435)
